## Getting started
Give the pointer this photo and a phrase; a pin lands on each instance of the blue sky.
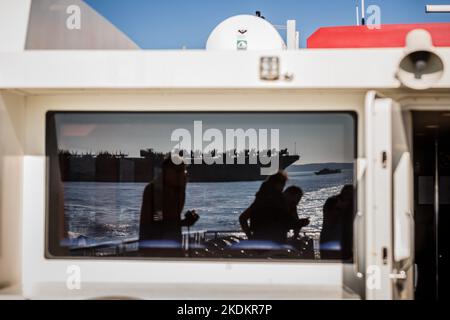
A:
(172, 24)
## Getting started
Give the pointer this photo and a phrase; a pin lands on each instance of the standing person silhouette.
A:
(162, 205)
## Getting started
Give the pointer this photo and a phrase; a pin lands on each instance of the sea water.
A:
(111, 211)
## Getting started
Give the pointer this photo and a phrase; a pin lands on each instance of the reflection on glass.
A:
(126, 184)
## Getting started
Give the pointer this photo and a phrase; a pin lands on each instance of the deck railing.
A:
(191, 241)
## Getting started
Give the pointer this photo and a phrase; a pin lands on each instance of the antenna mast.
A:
(363, 12)
(357, 14)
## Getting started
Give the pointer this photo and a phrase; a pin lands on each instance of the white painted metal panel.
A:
(388, 199)
(378, 197)
(309, 69)
(12, 116)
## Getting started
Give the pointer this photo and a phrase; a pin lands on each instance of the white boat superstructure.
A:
(388, 89)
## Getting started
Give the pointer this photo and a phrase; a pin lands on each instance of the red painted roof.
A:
(388, 36)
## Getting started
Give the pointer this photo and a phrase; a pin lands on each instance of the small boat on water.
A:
(327, 171)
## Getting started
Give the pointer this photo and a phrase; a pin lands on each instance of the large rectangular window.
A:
(241, 185)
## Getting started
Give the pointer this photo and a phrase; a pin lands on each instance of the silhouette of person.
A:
(336, 236)
(345, 207)
(269, 215)
(162, 205)
(293, 195)
(267, 210)
(331, 230)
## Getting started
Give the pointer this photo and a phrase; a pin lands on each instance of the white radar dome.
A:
(245, 32)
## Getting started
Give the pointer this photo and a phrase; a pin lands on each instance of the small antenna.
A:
(357, 14)
(363, 13)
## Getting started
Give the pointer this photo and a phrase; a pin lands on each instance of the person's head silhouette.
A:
(346, 197)
(277, 181)
(293, 195)
(174, 175)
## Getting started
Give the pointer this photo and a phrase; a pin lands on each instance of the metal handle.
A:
(401, 273)
(410, 261)
(356, 223)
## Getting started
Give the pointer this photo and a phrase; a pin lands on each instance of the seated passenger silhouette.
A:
(337, 229)
(293, 195)
(269, 215)
(268, 212)
(162, 205)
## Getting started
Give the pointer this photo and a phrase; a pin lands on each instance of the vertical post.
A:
(436, 210)
(363, 12)
(292, 35)
(357, 14)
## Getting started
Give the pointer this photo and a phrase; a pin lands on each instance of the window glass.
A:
(201, 185)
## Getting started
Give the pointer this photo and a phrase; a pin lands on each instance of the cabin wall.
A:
(41, 275)
(12, 115)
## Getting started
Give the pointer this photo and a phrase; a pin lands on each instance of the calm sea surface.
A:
(110, 211)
